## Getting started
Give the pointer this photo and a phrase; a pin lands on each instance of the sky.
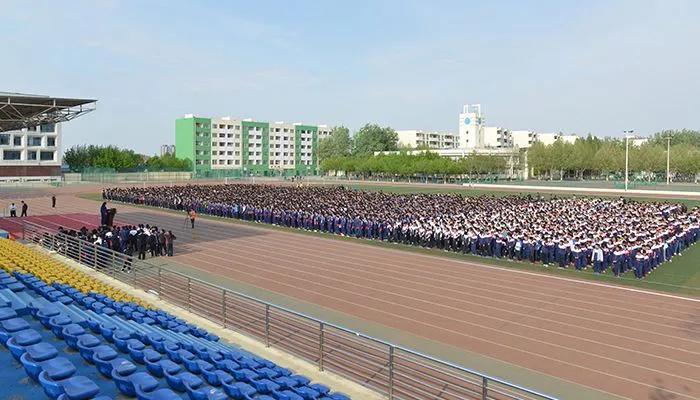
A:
(580, 67)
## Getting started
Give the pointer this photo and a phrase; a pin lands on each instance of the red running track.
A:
(628, 342)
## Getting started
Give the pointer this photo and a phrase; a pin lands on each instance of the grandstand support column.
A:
(484, 388)
(267, 325)
(391, 372)
(321, 327)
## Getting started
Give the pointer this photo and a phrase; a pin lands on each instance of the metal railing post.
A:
(267, 325)
(484, 388)
(223, 308)
(189, 294)
(80, 251)
(160, 282)
(320, 345)
(113, 270)
(94, 252)
(391, 372)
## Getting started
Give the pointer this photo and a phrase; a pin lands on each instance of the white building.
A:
(37, 146)
(495, 137)
(414, 138)
(471, 127)
(523, 139)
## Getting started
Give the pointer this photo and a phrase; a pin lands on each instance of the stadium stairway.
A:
(70, 340)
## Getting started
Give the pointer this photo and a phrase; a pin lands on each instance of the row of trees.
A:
(83, 157)
(364, 143)
(425, 163)
(592, 157)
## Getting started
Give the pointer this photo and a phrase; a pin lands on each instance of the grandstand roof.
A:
(19, 110)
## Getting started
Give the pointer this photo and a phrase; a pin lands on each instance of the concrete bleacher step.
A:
(15, 301)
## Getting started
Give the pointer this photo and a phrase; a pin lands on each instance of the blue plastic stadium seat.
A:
(124, 366)
(7, 313)
(15, 287)
(86, 340)
(245, 375)
(126, 383)
(53, 295)
(79, 388)
(159, 394)
(104, 353)
(88, 352)
(268, 373)
(216, 377)
(9, 326)
(179, 380)
(107, 330)
(19, 340)
(65, 300)
(306, 392)
(75, 388)
(179, 355)
(301, 379)
(322, 389)
(265, 386)
(57, 323)
(286, 382)
(56, 368)
(41, 351)
(44, 314)
(159, 368)
(288, 395)
(238, 390)
(206, 393)
(196, 366)
(228, 365)
(136, 349)
(119, 337)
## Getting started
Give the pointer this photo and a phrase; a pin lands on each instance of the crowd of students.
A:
(603, 234)
(131, 240)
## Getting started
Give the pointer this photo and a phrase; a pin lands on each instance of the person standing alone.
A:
(193, 215)
(13, 210)
(53, 201)
(25, 207)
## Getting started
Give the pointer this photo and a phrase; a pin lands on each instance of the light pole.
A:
(668, 159)
(628, 136)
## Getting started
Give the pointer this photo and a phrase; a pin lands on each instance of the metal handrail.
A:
(426, 361)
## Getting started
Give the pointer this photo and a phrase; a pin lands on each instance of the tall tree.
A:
(372, 137)
(337, 144)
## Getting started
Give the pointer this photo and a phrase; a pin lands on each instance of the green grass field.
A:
(681, 275)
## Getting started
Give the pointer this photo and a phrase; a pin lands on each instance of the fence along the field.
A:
(397, 372)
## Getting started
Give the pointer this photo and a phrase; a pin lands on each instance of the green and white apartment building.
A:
(222, 147)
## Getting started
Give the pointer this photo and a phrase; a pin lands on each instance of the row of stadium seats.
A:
(77, 345)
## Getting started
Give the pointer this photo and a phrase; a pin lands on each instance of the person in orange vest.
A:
(193, 215)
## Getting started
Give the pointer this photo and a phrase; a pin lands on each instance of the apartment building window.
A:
(238, 128)
(11, 155)
(284, 162)
(31, 155)
(229, 162)
(33, 141)
(229, 126)
(214, 126)
(4, 139)
(213, 153)
(17, 141)
(212, 143)
(221, 135)
(222, 144)
(237, 136)
(50, 141)
(221, 152)
(250, 154)
(229, 143)
(230, 135)
(229, 153)
(221, 162)
(236, 162)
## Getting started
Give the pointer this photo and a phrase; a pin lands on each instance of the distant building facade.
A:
(415, 138)
(167, 150)
(34, 151)
(227, 146)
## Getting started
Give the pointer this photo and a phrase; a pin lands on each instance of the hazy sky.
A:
(572, 66)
